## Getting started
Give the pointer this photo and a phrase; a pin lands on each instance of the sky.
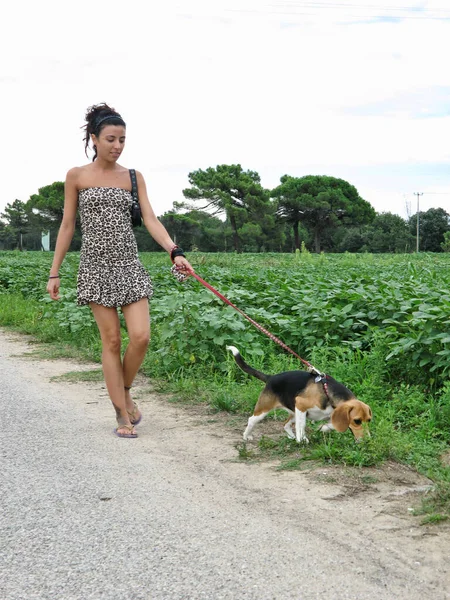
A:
(353, 89)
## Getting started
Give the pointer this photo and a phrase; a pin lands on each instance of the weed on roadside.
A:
(435, 505)
(244, 453)
(76, 376)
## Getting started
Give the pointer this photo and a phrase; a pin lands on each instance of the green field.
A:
(378, 323)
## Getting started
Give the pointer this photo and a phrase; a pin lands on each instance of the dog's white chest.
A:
(316, 414)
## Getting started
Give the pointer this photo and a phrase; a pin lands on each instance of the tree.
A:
(7, 237)
(48, 209)
(17, 221)
(229, 190)
(321, 203)
(291, 199)
(264, 232)
(212, 232)
(189, 229)
(433, 224)
(49, 203)
(445, 245)
(193, 230)
(390, 233)
(387, 233)
(351, 240)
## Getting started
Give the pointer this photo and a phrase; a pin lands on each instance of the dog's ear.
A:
(340, 417)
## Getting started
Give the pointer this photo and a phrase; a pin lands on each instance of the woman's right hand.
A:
(53, 288)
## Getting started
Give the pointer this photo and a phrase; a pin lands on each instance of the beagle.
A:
(304, 396)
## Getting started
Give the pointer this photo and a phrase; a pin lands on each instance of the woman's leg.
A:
(109, 326)
(137, 318)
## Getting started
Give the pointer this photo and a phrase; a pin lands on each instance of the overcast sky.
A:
(348, 88)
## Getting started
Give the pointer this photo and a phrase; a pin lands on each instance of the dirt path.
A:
(366, 515)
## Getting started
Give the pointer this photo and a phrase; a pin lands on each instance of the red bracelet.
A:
(170, 252)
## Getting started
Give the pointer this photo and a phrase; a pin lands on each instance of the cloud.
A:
(419, 103)
(236, 81)
(387, 19)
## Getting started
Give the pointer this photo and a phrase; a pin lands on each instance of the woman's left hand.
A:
(183, 265)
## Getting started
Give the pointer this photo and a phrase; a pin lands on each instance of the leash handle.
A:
(311, 368)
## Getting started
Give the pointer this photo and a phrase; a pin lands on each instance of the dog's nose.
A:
(366, 433)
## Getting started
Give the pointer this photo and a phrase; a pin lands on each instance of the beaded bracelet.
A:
(53, 276)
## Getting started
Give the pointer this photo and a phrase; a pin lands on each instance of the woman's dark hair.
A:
(97, 117)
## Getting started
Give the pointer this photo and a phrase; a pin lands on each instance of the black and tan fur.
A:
(303, 397)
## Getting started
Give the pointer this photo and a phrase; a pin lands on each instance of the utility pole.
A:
(418, 218)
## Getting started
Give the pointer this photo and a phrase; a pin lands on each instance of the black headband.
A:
(100, 121)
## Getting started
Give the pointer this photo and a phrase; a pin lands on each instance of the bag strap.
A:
(134, 189)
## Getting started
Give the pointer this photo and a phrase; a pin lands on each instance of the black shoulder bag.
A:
(136, 216)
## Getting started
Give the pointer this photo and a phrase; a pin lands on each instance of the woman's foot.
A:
(135, 415)
(133, 411)
(125, 431)
(125, 428)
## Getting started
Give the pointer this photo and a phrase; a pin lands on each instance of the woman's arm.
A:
(66, 231)
(154, 226)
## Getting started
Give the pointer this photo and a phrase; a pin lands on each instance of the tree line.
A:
(226, 209)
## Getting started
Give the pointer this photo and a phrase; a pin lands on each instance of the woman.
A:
(110, 274)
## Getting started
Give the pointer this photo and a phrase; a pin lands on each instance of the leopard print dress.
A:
(110, 272)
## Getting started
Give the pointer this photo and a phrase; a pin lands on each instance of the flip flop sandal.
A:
(132, 414)
(125, 435)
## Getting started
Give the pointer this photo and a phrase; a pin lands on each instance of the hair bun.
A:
(95, 116)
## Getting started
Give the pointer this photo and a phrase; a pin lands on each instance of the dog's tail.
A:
(244, 366)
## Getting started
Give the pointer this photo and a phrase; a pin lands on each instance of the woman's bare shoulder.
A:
(74, 174)
(140, 178)
(77, 176)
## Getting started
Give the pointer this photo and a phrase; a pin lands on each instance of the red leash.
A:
(311, 368)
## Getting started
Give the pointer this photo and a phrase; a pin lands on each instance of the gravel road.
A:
(173, 515)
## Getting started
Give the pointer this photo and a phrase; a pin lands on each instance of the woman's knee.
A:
(112, 343)
(140, 339)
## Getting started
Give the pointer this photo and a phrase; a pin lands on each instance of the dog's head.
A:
(351, 414)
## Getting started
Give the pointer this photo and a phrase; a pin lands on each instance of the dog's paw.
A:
(303, 440)
(247, 438)
(290, 434)
(326, 427)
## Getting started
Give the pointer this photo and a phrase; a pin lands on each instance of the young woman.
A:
(110, 274)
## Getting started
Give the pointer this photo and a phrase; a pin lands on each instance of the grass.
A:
(377, 323)
(80, 376)
(244, 452)
(434, 518)
(435, 505)
(368, 479)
